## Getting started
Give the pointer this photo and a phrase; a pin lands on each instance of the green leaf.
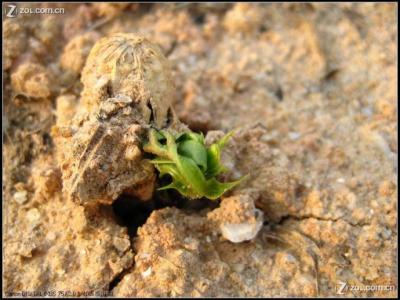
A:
(190, 136)
(222, 142)
(194, 150)
(160, 161)
(214, 166)
(187, 182)
(215, 188)
(213, 161)
(190, 164)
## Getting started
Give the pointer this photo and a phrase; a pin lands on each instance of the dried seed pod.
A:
(127, 88)
(129, 65)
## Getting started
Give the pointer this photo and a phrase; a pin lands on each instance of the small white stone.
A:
(51, 236)
(290, 258)
(33, 216)
(367, 111)
(238, 268)
(144, 256)
(146, 273)
(341, 180)
(294, 135)
(386, 233)
(101, 82)
(121, 244)
(21, 197)
(122, 99)
(191, 244)
(238, 233)
(276, 151)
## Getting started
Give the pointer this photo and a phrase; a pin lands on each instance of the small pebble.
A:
(132, 152)
(51, 236)
(121, 244)
(341, 180)
(294, 135)
(33, 216)
(144, 256)
(238, 268)
(386, 233)
(21, 197)
(146, 273)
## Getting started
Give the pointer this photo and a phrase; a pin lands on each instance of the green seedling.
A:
(192, 166)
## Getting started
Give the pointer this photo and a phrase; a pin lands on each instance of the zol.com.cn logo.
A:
(11, 10)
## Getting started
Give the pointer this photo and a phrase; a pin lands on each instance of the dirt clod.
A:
(310, 91)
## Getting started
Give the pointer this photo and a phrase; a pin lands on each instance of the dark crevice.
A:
(117, 279)
(263, 28)
(132, 212)
(109, 90)
(170, 117)
(199, 19)
(279, 94)
(47, 140)
(171, 48)
(151, 111)
(330, 75)
(145, 8)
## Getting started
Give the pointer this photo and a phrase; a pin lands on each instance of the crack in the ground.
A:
(313, 255)
(133, 213)
(117, 278)
(320, 218)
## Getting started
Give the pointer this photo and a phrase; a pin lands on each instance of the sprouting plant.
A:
(192, 166)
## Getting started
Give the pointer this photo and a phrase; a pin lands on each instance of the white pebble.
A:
(238, 233)
(238, 268)
(341, 180)
(121, 244)
(144, 256)
(21, 197)
(33, 216)
(51, 236)
(146, 273)
(294, 135)
(386, 233)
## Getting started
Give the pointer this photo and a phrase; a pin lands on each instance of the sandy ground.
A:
(311, 92)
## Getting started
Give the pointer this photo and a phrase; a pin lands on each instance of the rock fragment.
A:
(21, 197)
(238, 219)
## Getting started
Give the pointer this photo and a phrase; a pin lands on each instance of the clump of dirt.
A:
(310, 90)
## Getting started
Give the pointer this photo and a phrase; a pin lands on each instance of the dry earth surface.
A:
(311, 92)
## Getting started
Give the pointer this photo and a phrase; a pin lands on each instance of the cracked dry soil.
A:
(311, 91)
